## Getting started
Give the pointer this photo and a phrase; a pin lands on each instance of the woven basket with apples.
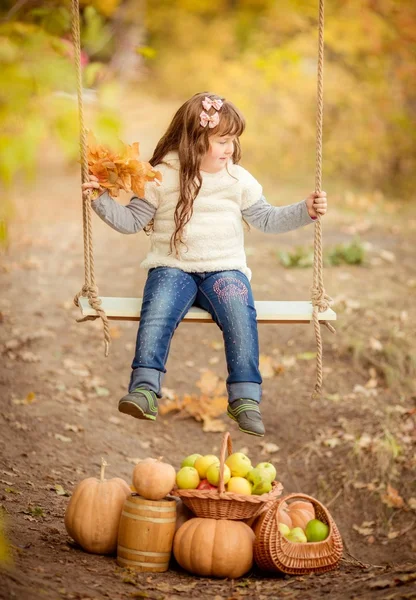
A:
(228, 487)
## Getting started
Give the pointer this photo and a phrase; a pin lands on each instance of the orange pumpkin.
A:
(296, 514)
(301, 513)
(93, 514)
(214, 548)
(153, 479)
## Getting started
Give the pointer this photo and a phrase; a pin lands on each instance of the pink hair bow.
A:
(210, 121)
(207, 103)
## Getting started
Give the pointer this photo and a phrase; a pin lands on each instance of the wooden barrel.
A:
(145, 534)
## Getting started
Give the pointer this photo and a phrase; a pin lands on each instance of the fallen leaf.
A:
(392, 498)
(62, 438)
(387, 256)
(210, 384)
(185, 587)
(364, 530)
(74, 428)
(30, 398)
(213, 425)
(60, 490)
(269, 448)
(11, 490)
(375, 344)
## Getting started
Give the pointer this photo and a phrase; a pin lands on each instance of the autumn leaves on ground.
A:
(351, 449)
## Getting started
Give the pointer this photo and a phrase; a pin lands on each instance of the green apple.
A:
(187, 478)
(201, 464)
(213, 474)
(257, 475)
(189, 461)
(239, 485)
(269, 468)
(297, 536)
(316, 531)
(284, 529)
(262, 487)
(239, 464)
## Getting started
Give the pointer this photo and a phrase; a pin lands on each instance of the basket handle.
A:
(303, 497)
(225, 446)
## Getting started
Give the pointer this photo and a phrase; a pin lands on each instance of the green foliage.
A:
(349, 253)
(300, 257)
(5, 554)
(262, 55)
(38, 89)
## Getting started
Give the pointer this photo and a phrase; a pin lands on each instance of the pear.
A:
(297, 536)
(284, 529)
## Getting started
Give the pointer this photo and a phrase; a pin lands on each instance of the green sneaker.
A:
(247, 414)
(139, 403)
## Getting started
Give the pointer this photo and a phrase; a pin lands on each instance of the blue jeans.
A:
(226, 295)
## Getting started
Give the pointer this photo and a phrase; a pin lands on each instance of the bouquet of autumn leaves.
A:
(121, 170)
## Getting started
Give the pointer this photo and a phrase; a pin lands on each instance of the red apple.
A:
(205, 485)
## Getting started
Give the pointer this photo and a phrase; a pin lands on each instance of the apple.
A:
(239, 485)
(202, 464)
(213, 474)
(189, 461)
(239, 464)
(297, 536)
(205, 485)
(256, 475)
(269, 468)
(316, 530)
(261, 487)
(284, 529)
(187, 478)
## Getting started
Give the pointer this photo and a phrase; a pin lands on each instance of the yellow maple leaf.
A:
(121, 170)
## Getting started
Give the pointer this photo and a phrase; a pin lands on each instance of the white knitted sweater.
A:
(214, 236)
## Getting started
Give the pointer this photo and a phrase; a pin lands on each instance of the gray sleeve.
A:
(128, 218)
(277, 219)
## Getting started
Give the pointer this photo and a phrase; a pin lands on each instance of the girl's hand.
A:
(91, 185)
(316, 204)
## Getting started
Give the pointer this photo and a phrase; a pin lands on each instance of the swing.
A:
(92, 306)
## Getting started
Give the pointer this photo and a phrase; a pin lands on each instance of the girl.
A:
(197, 250)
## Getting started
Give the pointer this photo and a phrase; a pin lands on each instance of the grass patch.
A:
(348, 253)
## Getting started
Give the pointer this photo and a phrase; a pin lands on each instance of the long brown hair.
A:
(186, 136)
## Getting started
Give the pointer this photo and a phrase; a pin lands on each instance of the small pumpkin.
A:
(214, 548)
(301, 513)
(93, 514)
(296, 514)
(283, 515)
(153, 479)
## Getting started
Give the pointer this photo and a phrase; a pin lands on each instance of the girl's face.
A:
(221, 148)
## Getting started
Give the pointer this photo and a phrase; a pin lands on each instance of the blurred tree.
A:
(37, 85)
(262, 54)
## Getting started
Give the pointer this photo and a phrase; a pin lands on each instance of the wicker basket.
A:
(219, 504)
(273, 552)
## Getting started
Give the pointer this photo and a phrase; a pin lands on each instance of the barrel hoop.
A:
(149, 519)
(125, 561)
(151, 508)
(130, 551)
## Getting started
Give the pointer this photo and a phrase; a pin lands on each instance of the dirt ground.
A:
(59, 399)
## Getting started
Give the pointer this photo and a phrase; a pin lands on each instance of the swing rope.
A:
(320, 299)
(89, 289)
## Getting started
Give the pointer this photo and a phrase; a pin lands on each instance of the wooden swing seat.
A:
(128, 309)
